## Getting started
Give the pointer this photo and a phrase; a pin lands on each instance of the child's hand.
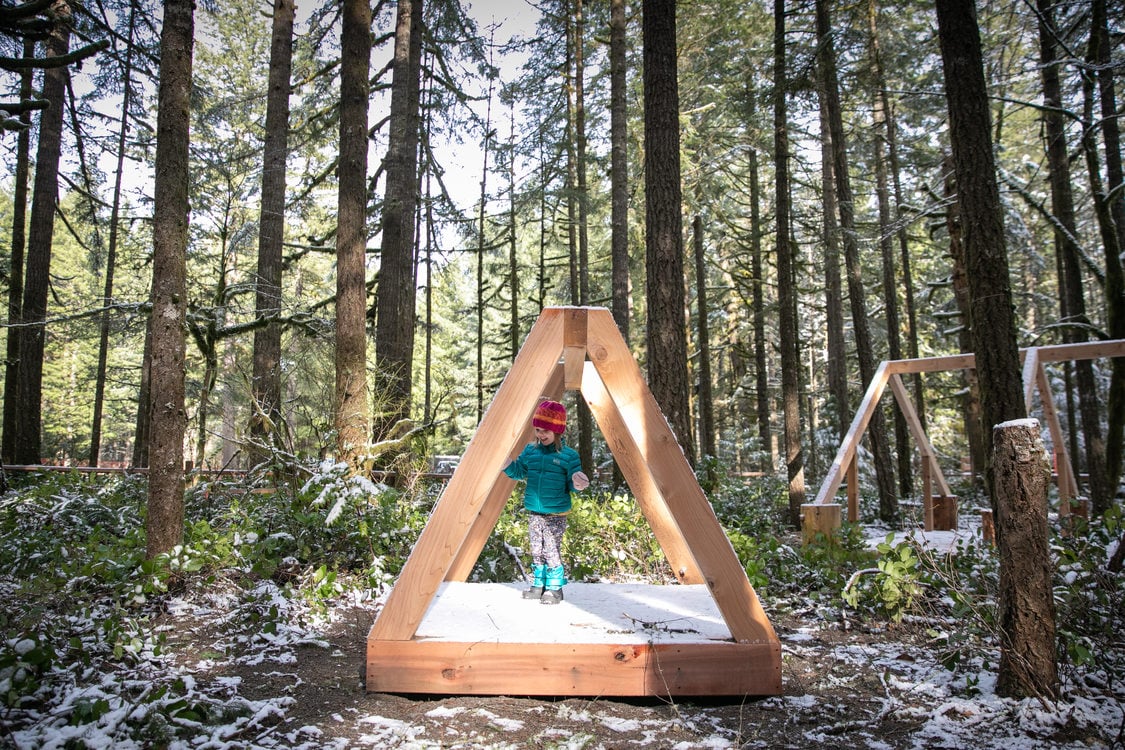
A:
(580, 481)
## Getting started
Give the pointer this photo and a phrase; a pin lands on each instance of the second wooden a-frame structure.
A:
(577, 349)
(935, 489)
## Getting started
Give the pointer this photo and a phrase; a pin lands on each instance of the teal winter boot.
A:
(554, 582)
(538, 576)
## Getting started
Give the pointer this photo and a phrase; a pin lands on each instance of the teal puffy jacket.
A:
(548, 470)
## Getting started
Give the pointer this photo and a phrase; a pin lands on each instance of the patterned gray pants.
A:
(545, 534)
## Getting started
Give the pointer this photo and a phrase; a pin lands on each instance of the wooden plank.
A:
(498, 496)
(574, 345)
(597, 669)
(1082, 351)
(453, 517)
(1030, 366)
(1052, 353)
(855, 433)
(1067, 477)
(853, 489)
(819, 518)
(676, 482)
(931, 364)
(925, 448)
(639, 477)
(1057, 353)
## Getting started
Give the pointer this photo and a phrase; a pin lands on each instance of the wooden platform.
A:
(578, 349)
(604, 639)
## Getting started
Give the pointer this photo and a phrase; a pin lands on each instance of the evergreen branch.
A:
(1057, 225)
(16, 64)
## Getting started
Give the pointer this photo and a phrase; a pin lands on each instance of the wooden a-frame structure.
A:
(581, 349)
(935, 488)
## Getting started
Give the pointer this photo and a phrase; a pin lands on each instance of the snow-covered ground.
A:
(296, 684)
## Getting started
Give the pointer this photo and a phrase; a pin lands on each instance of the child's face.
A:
(544, 437)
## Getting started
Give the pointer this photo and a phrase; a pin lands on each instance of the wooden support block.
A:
(1080, 506)
(944, 513)
(853, 490)
(987, 526)
(1074, 514)
(817, 518)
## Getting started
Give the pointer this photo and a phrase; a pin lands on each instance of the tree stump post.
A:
(944, 513)
(1022, 473)
(987, 527)
(1074, 514)
(817, 518)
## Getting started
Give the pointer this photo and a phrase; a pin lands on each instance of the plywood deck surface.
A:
(618, 613)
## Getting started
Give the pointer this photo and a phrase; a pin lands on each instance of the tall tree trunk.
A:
(394, 330)
(994, 344)
(41, 229)
(164, 524)
(481, 282)
(351, 416)
(706, 398)
(884, 471)
(1109, 203)
(585, 421)
(757, 296)
(16, 260)
(908, 307)
(143, 427)
(887, 250)
(428, 400)
(619, 168)
(513, 258)
(970, 399)
(786, 278)
(570, 138)
(664, 257)
(111, 253)
(265, 415)
(833, 287)
(1066, 246)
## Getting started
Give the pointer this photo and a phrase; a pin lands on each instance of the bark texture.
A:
(164, 523)
(351, 235)
(786, 286)
(1022, 474)
(664, 256)
(394, 331)
(265, 419)
(40, 234)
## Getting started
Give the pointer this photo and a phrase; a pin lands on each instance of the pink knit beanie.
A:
(550, 415)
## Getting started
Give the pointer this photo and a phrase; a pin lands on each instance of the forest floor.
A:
(843, 685)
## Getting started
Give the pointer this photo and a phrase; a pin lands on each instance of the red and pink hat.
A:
(550, 415)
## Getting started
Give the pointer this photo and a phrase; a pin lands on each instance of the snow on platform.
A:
(618, 613)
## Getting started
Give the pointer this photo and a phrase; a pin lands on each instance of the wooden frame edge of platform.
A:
(573, 669)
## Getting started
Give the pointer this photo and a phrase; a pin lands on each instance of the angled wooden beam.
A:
(499, 495)
(693, 514)
(639, 477)
(1067, 478)
(455, 513)
(929, 457)
(848, 445)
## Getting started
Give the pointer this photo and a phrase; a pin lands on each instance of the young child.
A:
(552, 471)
